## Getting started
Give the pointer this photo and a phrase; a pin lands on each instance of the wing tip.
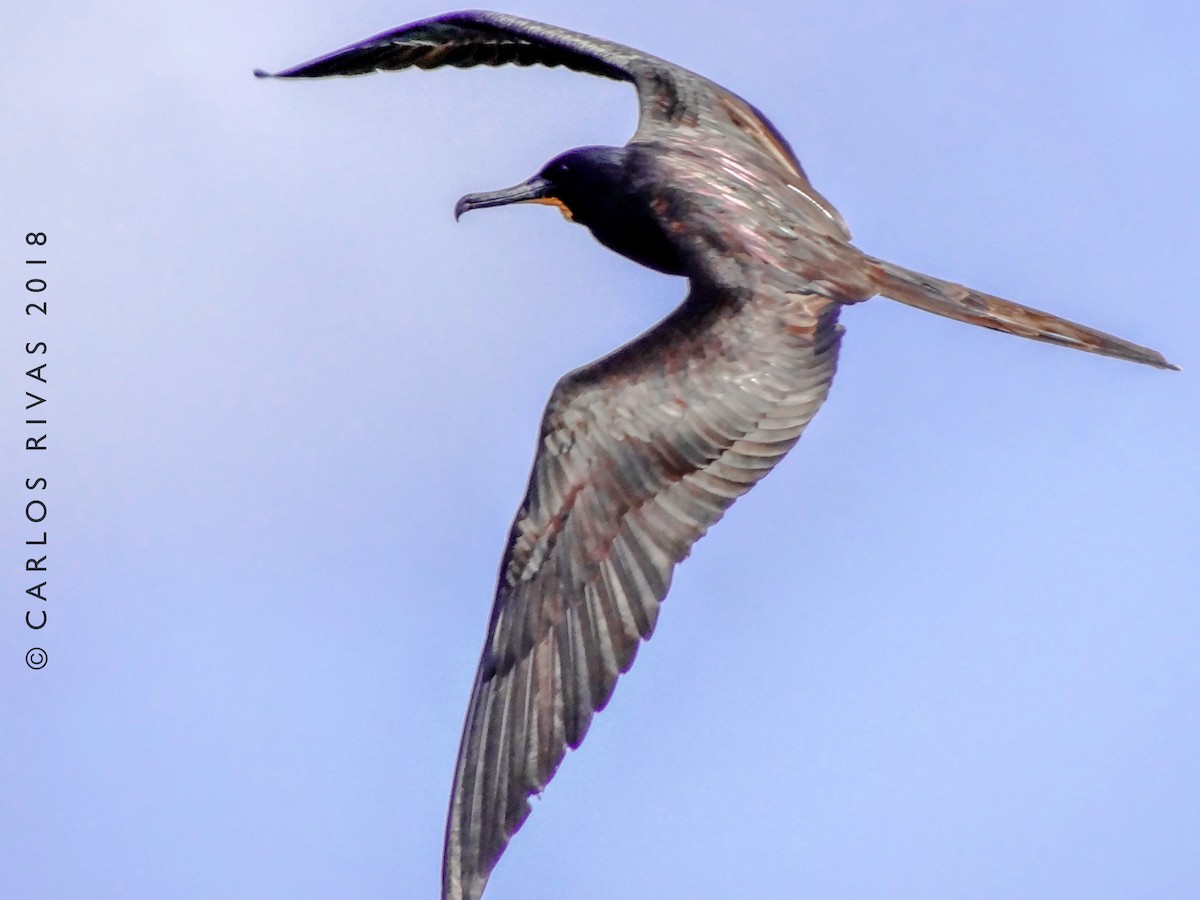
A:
(1145, 356)
(304, 70)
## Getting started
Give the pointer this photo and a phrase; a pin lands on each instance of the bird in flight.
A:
(643, 450)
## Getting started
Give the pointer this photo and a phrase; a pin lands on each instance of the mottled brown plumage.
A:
(641, 452)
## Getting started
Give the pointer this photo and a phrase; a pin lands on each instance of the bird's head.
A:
(581, 183)
(605, 188)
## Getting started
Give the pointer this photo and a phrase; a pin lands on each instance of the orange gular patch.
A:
(554, 201)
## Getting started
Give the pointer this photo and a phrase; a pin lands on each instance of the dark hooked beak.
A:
(536, 190)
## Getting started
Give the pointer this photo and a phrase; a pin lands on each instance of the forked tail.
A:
(957, 302)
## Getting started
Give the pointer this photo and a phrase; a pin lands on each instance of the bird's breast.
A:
(637, 233)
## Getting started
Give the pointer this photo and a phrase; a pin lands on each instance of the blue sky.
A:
(950, 648)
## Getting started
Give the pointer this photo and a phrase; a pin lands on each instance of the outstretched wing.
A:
(639, 454)
(671, 99)
(477, 38)
(474, 38)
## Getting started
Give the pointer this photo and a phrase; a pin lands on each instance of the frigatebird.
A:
(643, 450)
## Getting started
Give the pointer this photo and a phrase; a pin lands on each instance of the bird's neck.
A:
(617, 209)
